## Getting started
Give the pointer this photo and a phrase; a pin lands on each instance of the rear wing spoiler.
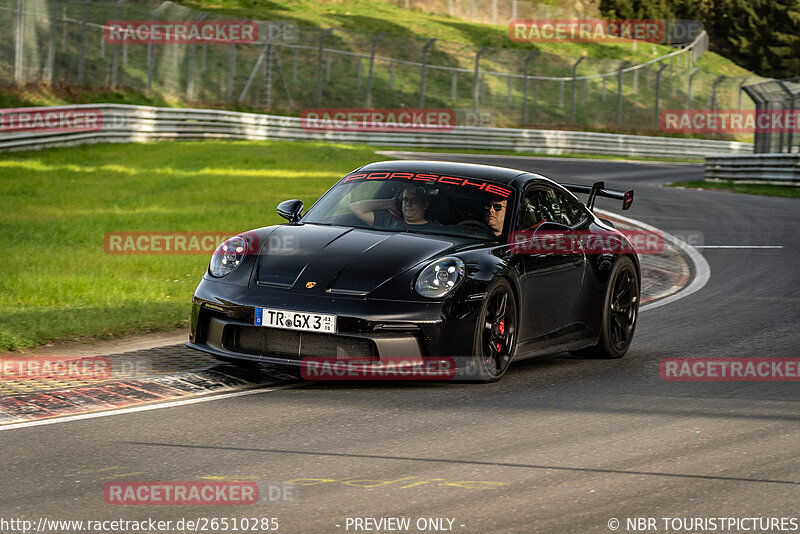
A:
(598, 189)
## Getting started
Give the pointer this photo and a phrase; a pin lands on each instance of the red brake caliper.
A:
(502, 326)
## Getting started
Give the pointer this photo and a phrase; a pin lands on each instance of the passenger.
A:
(382, 212)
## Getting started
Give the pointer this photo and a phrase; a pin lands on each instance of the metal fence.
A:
(774, 95)
(54, 41)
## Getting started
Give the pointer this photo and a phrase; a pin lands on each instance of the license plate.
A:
(292, 320)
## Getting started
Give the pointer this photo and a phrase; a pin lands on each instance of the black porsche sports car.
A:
(425, 259)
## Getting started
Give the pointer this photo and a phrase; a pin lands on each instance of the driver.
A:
(495, 215)
(381, 212)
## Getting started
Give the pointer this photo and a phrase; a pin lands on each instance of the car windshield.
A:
(413, 202)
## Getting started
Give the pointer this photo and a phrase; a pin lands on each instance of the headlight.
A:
(228, 256)
(440, 277)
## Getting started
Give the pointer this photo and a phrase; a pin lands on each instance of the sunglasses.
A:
(495, 206)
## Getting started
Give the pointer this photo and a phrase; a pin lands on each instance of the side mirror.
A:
(291, 210)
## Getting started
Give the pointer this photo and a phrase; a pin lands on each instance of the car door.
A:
(553, 269)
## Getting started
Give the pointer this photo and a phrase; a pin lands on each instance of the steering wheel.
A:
(477, 224)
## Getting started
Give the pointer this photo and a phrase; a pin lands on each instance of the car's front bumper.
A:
(223, 325)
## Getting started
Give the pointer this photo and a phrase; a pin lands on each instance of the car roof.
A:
(501, 175)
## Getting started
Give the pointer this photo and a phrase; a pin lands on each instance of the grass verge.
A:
(58, 283)
(570, 155)
(750, 189)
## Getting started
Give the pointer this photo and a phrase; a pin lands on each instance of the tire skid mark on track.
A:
(83, 400)
(701, 269)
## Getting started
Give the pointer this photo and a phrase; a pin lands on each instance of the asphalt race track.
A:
(559, 445)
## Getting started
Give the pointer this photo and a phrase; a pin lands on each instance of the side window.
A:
(542, 203)
(571, 209)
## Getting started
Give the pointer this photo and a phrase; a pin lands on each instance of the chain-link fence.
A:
(499, 11)
(290, 68)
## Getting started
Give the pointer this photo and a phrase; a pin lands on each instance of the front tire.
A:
(495, 333)
(620, 312)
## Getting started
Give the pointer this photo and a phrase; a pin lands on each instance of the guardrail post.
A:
(619, 92)
(471, 9)
(115, 59)
(371, 67)
(51, 50)
(689, 91)
(454, 87)
(82, 60)
(509, 90)
(294, 65)
(391, 74)
(319, 65)
(494, 11)
(574, 74)
(424, 65)
(528, 59)
(561, 94)
(476, 80)
(658, 94)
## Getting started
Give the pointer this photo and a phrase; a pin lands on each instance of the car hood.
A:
(341, 260)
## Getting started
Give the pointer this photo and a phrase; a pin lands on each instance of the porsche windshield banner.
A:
(481, 185)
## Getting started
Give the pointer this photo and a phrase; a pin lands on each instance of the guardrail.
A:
(780, 168)
(126, 123)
